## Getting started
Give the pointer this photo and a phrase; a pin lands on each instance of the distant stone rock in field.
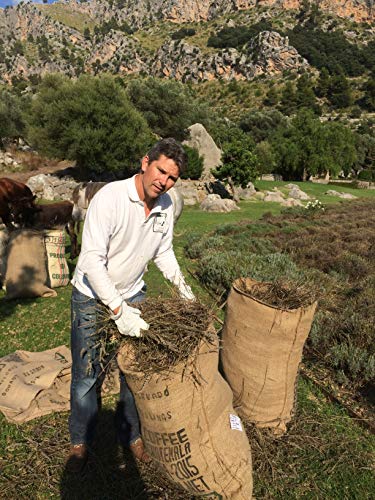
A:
(348, 196)
(247, 192)
(363, 184)
(259, 195)
(213, 203)
(271, 177)
(275, 196)
(298, 194)
(344, 196)
(292, 202)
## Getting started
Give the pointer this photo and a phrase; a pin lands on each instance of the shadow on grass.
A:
(110, 473)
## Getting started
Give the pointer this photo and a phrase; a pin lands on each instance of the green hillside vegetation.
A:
(62, 13)
(288, 138)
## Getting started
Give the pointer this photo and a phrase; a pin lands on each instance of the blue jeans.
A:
(85, 372)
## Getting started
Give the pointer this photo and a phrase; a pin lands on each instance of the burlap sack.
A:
(26, 266)
(191, 429)
(262, 349)
(58, 271)
(33, 384)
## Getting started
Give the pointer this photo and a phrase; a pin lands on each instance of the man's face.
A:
(158, 176)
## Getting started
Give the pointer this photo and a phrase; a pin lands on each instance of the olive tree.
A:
(89, 120)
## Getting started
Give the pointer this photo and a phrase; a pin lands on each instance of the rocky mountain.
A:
(141, 12)
(268, 53)
(126, 36)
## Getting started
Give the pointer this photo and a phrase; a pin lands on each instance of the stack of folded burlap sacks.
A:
(35, 263)
(262, 350)
(33, 384)
(189, 426)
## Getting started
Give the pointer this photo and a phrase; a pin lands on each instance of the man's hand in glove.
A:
(129, 322)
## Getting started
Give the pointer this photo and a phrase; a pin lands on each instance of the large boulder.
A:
(201, 140)
(213, 203)
(189, 194)
(41, 185)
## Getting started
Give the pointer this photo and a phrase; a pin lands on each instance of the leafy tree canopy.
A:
(89, 120)
(11, 121)
(167, 106)
(195, 164)
(239, 165)
(237, 36)
(261, 124)
(182, 33)
(330, 49)
(225, 132)
(309, 147)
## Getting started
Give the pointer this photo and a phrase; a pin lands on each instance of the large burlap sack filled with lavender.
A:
(262, 349)
(188, 422)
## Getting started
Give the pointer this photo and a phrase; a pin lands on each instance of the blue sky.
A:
(4, 3)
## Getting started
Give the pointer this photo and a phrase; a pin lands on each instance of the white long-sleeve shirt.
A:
(118, 241)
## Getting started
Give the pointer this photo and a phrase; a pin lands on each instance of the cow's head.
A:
(23, 211)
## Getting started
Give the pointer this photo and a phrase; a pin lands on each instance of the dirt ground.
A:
(33, 164)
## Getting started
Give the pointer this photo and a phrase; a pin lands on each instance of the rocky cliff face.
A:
(269, 53)
(32, 43)
(140, 12)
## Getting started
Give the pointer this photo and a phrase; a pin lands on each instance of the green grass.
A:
(63, 14)
(326, 454)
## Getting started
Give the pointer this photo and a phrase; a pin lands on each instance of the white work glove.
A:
(186, 292)
(129, 322)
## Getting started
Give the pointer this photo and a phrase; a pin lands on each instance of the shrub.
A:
(237, 36)
(366, 175)
(195, 164)
(218, 270)
(182, 33)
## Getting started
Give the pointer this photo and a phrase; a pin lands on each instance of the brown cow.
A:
(16, 203)
(57, 215)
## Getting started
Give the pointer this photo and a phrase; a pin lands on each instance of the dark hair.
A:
(172, 149)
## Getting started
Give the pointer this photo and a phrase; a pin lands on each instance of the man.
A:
(128, 223)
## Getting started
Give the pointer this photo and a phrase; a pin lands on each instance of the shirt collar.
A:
(162, 201)
(133, 193)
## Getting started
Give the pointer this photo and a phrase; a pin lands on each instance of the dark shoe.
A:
(77, 458)
(139, 452)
